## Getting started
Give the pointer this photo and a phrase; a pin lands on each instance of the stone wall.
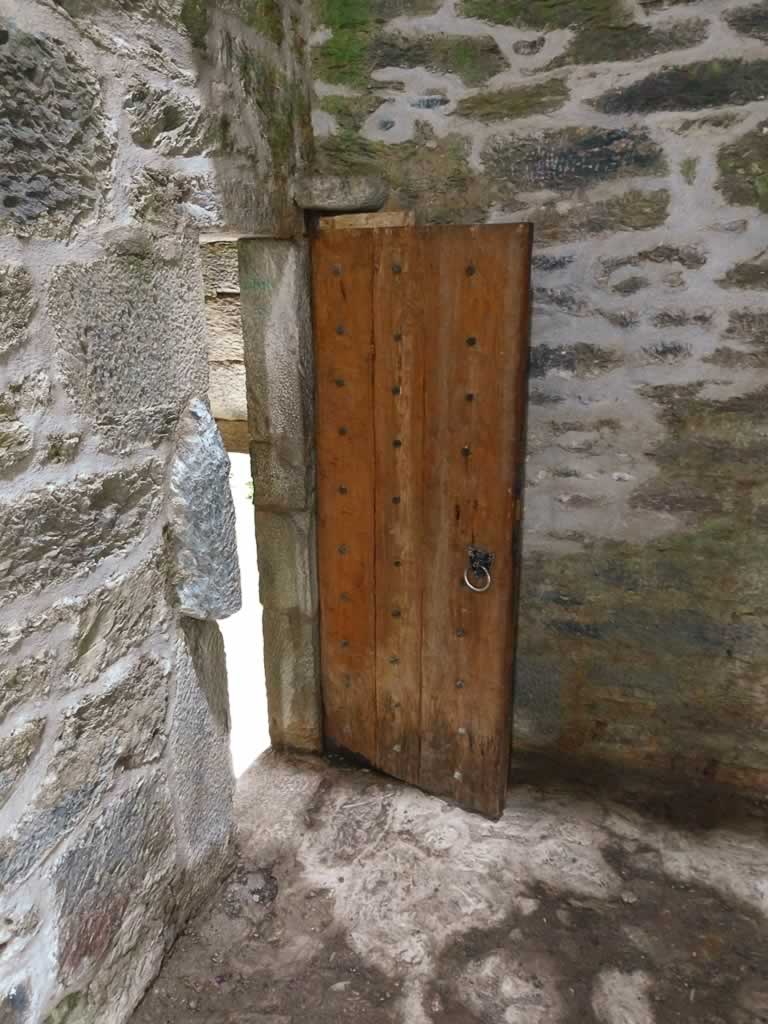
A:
(127, 128)
(226, 361)
(634, 134)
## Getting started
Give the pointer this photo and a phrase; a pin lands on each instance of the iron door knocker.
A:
(480, 563)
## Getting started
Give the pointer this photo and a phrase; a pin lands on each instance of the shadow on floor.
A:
(358, 899)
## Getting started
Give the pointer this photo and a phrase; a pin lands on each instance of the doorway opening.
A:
(243, 637)
(242, 632)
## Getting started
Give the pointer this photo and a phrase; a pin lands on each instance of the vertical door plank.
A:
(401, 280)
(474, 419)
(342, 268)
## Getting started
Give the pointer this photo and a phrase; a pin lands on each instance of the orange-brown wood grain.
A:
(417, 668)
(402, 276)
(474, 378)
(342, 268)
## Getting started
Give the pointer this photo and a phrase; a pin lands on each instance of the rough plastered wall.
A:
(125, 129)
(634, 134)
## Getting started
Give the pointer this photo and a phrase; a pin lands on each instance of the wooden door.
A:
(421, 338)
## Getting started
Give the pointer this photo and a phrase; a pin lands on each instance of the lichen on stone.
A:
(630, 42)
(750, 274)
(514, 102)
(474, 59)
(582, 359)
(694, 86)
(571, 158)
(634, 210)
(751, 20)
(544, 14)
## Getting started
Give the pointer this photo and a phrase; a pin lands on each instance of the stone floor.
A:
(358, 899)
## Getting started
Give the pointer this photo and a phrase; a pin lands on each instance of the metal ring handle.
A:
(478, 590)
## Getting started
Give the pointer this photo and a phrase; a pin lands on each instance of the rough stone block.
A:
(99, 737)
(225, 329)
(572, 158)
(226, 391)
(16, 752)
(117, 617)
(132, 342)
(206, 571)
(234, 434)
(76, 639)
(293, 682)
(327, 193)
(716, 83)
(29, 680)
(282, 479)
(76, 526)
(277, 336)
(220, 203)
(113, 885)
(15, 443)
(286, 552)
(57, 150)
(17, 303)
(743, 166)
(168, 122)
(203, 782)
(221, 274)
(27, 395)
(751, 20)
(633, 210)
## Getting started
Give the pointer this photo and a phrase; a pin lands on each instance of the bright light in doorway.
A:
(243, 636)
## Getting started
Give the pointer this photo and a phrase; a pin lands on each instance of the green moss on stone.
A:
(194, 18)
(571, 158)
(517, 102)
(750, 21)
(743, 169)
(343, 59)
(347, 58)
(336, 14)
(266, 16)
(350, 111)
(688, 169)
(692, 87)
(474, 59)
(429, 174)
(631, 42)
(281, 102)
(544, 14)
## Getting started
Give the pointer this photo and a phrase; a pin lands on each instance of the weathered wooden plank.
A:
(474, 374)
(401, 282)
(381, 219)
(342, 268)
